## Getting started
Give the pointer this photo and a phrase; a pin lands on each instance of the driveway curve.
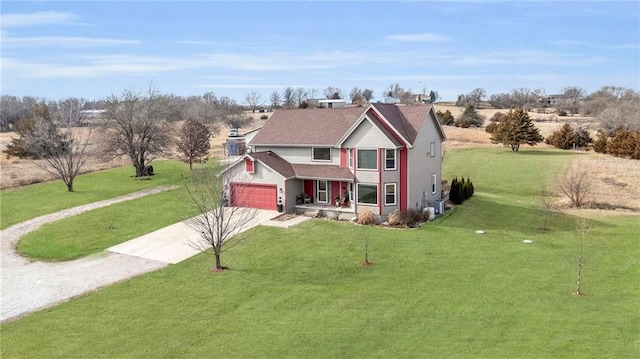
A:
(28, 286)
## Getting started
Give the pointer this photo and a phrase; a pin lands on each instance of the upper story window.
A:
(350, 157)
(390, 159)
(432, 149)
(367, 159)
(248, 164)
(321, 153)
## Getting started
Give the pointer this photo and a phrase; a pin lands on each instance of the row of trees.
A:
(301, 98)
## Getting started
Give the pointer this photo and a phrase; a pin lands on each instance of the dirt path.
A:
(29, 286)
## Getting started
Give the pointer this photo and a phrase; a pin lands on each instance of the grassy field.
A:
(24, 203)
(97, 230)
(439, 291)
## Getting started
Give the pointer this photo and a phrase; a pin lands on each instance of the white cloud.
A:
(36, 18)
(526, 57)
(63, 41)
(423, 37)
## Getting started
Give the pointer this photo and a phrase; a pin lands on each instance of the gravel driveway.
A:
(29, 286)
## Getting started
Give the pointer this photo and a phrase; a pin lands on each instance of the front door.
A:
(352, 200)
(322, 190)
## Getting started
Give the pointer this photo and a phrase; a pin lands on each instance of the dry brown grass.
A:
(17, 172)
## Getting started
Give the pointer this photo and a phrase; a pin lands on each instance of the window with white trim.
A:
(350, 157)
(389, 194)
(321, 193)
(434, 186)
(367, 194)
(321, 153)
(390, 159)
(432, 149)
(367, 159)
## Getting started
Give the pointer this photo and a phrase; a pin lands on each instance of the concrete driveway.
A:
(177, 242)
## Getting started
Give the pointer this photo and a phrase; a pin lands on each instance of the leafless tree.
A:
(204, 109)
(299, 95)
(367, 94)
(582, 227)
(576, 184)
(253, 100)
(53, 141)
(356, 96)
(275, 99)
(312, 93)
(574, 95)
(136, 125)
(288, 99)
(333, 93)
(547, 204)
(209, 193)
(231, 113)
(477, 95)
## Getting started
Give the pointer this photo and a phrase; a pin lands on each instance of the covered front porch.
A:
(322, 197)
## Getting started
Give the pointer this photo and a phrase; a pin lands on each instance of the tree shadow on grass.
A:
(484, 213)
(547, 152)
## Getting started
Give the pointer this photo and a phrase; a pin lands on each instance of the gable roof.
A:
(307, 127)
(331, 126)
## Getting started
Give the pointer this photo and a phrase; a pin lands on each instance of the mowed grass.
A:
(97, 230)
(21, 204)
(439, 291)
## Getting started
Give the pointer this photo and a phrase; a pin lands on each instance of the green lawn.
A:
(21, 204)
(97, 230)
(440, 291)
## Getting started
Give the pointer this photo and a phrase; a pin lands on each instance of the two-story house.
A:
(380, 157)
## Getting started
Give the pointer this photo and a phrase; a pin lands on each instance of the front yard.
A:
(439, 291)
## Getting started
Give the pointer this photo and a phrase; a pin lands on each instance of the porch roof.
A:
(329, 172)
(302, 171)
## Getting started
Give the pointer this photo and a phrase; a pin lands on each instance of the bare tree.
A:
(231, 113)
(275, 99)
(193, 143)
(367, 94)
(204, 109)
(548, 206)
(576, 184)
(582, 227)
(299, 96)
(573, 96)
(253, 100)
(312, 93)
(53, 140)
(477, 95)
(136, 125)
(333, 93)
(209, 194)
(356, 96)
(288, 100)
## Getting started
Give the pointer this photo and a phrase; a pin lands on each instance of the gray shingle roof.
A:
(326, 126)
(307, 127)
(301, 171)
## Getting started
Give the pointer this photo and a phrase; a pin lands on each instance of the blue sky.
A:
(94, 49)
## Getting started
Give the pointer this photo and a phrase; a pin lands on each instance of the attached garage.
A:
(263, 196)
